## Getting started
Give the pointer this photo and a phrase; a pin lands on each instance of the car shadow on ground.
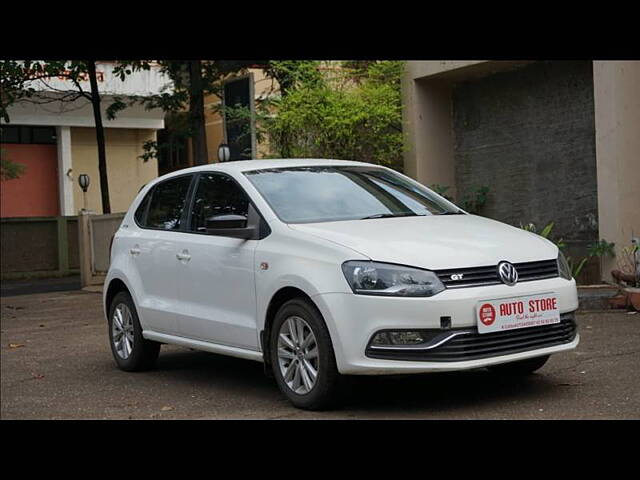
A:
(441, 392)
(438, 392)
(209, 368)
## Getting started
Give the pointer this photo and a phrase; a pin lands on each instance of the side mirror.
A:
(236, 226)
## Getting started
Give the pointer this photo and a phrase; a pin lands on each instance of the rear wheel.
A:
(131, 351)
(519, 368)
(302, 356)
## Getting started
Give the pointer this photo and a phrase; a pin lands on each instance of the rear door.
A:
(153, 249)
(216, 279)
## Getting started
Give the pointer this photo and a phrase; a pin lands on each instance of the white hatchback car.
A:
(326, 268)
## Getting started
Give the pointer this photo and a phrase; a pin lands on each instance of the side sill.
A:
(205, 346)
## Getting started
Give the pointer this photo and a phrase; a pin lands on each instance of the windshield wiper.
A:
(452, 213)
(389, 215)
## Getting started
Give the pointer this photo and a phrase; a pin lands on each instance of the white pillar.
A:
(65, 182)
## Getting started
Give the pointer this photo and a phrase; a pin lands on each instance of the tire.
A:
(520, 368)
(143, 353)
(324, 392)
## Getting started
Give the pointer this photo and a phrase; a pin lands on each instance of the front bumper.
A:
(353, 319)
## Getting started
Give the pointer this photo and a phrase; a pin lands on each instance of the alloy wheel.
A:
(122, 331)
(298, 355)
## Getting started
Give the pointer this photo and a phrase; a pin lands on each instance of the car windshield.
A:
(326, 194)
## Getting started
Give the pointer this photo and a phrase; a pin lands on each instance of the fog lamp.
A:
(398, 338)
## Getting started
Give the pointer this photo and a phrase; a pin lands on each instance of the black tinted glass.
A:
(142, 209)
(167, 203)
(9, 134)
(216, 195)
(43, 135)
(27, 134)
(237, 95)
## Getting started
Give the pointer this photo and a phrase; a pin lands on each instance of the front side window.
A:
(216, 194)
(167, 203)
(324, 194)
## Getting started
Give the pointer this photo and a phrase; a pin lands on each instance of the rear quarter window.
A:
(141, 212)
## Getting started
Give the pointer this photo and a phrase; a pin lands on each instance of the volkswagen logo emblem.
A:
(507, 273)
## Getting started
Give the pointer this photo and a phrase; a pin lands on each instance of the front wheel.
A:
(302, 356)
(521, 367)
(131, 351)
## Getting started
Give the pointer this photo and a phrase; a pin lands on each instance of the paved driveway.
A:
(56, 364)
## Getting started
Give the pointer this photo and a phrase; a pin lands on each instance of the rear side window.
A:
(216, 194)
(167, 204)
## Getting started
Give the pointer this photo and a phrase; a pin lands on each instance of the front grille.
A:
(478, 276)
(468, 344)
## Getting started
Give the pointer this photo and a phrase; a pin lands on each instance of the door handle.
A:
(135, 250)
(183, 256)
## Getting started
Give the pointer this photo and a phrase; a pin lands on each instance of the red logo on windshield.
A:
(487, 314)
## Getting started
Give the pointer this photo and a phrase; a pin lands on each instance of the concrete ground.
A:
(56, 364)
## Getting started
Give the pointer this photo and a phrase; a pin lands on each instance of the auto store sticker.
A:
(517, 312)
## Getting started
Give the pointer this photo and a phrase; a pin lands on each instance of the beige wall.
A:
(214, 126)
(428, 135)
(617, 117)
(432, 68)
(126, 172)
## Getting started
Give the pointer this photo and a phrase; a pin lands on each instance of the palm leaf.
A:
(546, 230)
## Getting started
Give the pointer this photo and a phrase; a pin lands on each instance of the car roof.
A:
(249, 165)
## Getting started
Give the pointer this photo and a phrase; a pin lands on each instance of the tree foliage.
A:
(292, 74)
(352, 112)
(191, 81)
(9, 169)
(17, 82)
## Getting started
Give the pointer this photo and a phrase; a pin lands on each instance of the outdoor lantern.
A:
(224, 153)
(84, 181)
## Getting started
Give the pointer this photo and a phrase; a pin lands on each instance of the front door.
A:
(216, 281)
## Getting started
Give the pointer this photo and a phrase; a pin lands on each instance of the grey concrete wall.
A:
(38, 245)
(72, 238)
(29, 246)
(529, 135)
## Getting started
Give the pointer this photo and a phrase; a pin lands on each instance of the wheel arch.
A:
(278, 299)
(116, 285)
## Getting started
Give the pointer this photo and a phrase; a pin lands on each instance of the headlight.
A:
(563, 266)
(373, 278)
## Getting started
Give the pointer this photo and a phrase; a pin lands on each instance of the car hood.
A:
(435, 242)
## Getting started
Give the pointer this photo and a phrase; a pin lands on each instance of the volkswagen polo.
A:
(322, 269)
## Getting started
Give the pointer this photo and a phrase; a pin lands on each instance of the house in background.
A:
(240, 90)
(553, 141)
(56, 142)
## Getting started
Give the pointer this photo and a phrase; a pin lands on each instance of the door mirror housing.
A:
(236, 226)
